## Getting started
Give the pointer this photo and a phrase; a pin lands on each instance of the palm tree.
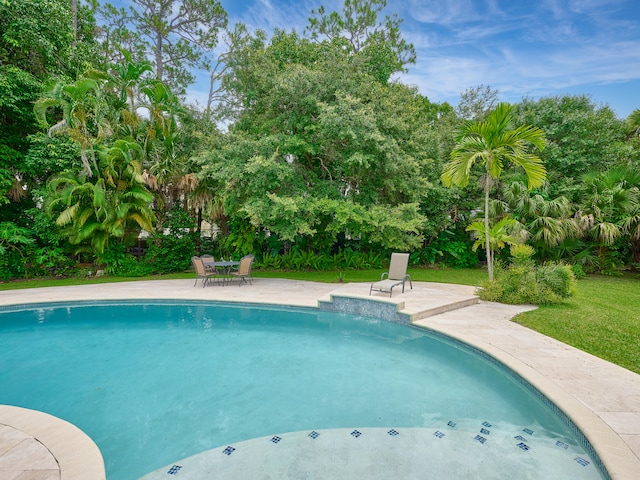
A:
(494, 142)
(83, 115)
(497, 237)
(94, 210)
(610, 207)
(545, 223)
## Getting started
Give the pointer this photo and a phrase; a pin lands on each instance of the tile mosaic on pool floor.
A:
(382, 453)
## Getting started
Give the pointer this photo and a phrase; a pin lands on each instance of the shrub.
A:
(522, 255)
(47, 261)
(560, 279)
(171, 249)
(450, 248)
(167, 254)
(129, 266)
(522, 282)
(578, 271)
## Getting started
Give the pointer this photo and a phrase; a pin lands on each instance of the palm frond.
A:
(67, 215)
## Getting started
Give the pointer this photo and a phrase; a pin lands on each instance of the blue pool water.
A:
(156, 382)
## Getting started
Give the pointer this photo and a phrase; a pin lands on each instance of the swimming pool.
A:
(156, 382)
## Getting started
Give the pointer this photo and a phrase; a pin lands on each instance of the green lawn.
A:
(602, 319)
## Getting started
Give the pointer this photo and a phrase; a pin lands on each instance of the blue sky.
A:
(521, 48)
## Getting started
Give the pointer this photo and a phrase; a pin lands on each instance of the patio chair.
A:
(397, 275)
(244, 269)
(201, 271)
(208, 262)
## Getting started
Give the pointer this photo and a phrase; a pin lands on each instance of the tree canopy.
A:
(308, 148)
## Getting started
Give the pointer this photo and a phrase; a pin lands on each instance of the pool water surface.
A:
(153, 383)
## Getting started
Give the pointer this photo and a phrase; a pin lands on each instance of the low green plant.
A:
(560, 279)
(13, 241)
(171, 249)
(168, 254)
(522, 282)
(453, 249)
(301, 260)
(459, 254)
(578, 271)
(113, 258)
(50, 261)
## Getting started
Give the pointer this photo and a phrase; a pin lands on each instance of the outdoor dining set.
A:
(222, 271)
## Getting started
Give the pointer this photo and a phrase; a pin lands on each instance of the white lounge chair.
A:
(397, 275)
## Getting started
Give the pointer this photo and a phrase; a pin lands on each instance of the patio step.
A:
(455, 305)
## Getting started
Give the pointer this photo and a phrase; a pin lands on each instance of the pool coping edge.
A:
(77, 454)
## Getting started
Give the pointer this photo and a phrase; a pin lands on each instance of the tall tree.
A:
(36, 42)
(494, 143)
(178, 35)
(380, 42)
(476, 103)
(83, 117)
(74, 15)
(581, 137)
(321, 152)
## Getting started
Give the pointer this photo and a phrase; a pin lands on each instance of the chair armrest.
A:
(385, 274)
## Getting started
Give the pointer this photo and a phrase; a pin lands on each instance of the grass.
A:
(602, 319)
(65, 282)
(460, 276)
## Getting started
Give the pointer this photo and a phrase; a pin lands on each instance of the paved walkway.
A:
(601, 398)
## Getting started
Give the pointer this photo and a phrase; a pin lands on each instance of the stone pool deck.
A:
(601, 398)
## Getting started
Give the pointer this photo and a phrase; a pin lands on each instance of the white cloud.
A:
(523, 50)
(443, 12)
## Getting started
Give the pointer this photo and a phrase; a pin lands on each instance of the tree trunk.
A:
(487, 189)
(158, 55)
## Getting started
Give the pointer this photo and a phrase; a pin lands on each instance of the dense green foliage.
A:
(522, 282)
(322, 152)
(313, 156)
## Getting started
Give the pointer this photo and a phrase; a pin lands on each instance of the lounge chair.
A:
(201, 271)
(244, 269)
(397, 275)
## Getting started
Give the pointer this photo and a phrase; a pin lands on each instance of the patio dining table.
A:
(224, 265)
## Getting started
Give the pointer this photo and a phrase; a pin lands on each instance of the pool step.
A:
(424, 300)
